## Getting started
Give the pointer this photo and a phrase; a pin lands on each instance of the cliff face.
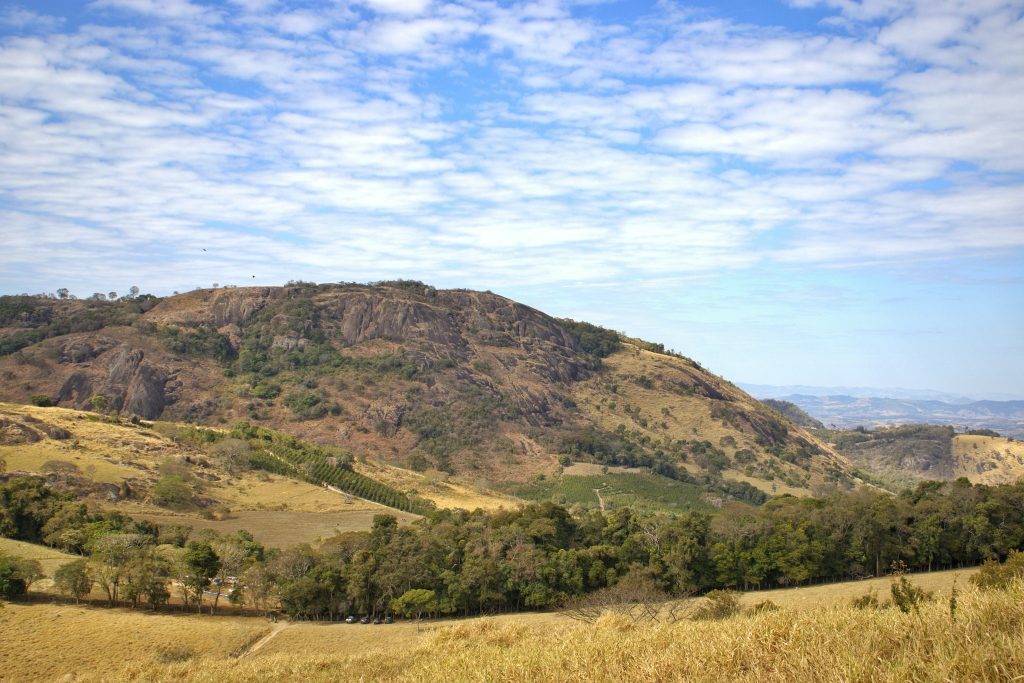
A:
(454, 379)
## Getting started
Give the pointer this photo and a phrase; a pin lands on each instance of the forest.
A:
(539, 556)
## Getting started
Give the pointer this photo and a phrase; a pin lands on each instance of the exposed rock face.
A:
(236, 306)
(355, 316)
(145, 395)
(81, 351)
(131, 385)
(384, 417)
(14, 432)
(76, 390)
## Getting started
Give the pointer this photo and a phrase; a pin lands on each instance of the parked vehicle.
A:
(389, 619)
(364, 620)
(350, 619)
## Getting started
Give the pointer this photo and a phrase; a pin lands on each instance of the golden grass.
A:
(940, 583)
(985, 642)
(275, 528)
(688, 417)
(49, 558)
(257, 491)
(988, 460)
(45, 642)
(444, 491)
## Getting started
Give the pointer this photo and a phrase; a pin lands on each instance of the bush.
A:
(764, 606)
(266, 391)
(73, 580)
(718, 604)
(907, 596)
(995, 575)
(12, 584)
(867, 601)
(173, 492)
(310, 405)
(41, 401)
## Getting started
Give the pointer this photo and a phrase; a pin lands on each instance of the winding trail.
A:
(258, 645)
(600, 500)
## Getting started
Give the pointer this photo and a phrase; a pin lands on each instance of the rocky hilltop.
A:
(453, 380)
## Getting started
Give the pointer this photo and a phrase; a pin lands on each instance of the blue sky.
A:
(824, 192)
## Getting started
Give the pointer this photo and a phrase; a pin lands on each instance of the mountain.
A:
(782, 391)
(905, 454)
(456, 381)
(1005, 417)
(793, 412)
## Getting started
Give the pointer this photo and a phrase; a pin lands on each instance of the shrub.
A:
(41, 401)
(173, 492)
(718, 604)
(73, 580)
(995, 575)
(907, 596)
(764, 606)
(266, 391)
(12, 583)
(867, 601)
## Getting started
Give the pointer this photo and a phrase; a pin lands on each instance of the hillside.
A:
(118, 465)
(467, 383)
(903, 455)
(1005, 417)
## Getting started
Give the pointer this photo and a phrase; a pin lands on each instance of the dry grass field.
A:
(47, 642)
(983, 640)
(444, 491)
(988, 460)
(939, 583)
(280, 528)
(49, 558)
(816, 635)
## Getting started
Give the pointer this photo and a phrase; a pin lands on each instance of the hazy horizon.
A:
(818, 192)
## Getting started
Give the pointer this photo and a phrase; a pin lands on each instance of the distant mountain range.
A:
(784, 391)
(1005, 417)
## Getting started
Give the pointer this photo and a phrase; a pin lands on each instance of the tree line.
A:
(539, 556)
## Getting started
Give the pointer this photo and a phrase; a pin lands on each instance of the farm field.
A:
(277, 528)
(645, 492)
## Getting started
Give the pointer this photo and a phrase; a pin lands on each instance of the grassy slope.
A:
(988, 460)
(439, 487)
(45, 641)
(49, 558)
(279, 511)
(687, 417)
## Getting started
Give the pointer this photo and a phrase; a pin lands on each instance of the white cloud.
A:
(504, 143)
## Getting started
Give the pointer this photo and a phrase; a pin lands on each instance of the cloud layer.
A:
(490, 144)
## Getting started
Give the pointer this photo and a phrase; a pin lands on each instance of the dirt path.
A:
(258, 645)
(600, 500)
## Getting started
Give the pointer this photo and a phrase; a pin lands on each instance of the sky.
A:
(822, 192)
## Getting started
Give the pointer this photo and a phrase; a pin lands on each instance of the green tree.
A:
(12, 584)
(73, 579)
(99, 403)
(196, 568)
(415, 601)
